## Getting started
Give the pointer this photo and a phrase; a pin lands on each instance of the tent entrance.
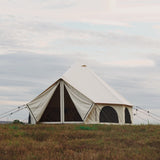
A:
(61, 108)
(70, 111)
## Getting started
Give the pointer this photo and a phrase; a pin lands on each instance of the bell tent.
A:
(79, 96)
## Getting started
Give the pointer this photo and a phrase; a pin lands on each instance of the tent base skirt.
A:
(61, 122)
(105, 123)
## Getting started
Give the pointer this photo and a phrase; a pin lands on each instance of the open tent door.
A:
(52, 111)
(70, 111)
(108, 114)
(81, 103)
(38, 105)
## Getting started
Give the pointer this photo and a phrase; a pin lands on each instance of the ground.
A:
(79, 142)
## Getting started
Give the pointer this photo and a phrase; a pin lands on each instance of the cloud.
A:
(113, 38)
(92, 11)
(43, 37)
(132, 63)
(157, 28)
(111, 5)
(12, 103)
(27, 64)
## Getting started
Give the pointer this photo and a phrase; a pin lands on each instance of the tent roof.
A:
(88, 83)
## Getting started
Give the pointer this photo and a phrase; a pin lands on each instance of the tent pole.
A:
(31, 113)
(88, 112)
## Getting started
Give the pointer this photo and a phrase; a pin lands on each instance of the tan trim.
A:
(126, 105)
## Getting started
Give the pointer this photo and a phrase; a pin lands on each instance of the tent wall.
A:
(94, 115)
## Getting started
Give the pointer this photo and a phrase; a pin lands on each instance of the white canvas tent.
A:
(80, 96)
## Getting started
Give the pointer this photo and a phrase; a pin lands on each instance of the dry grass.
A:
(79, 142)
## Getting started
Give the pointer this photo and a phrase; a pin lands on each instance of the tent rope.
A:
(142, 118)
(146, 112)
(11, 112)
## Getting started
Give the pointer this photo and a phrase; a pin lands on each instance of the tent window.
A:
(127, 116)
(108, 114)
(52, 112)
(70, 111)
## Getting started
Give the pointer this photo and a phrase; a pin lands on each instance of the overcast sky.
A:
(118, 39)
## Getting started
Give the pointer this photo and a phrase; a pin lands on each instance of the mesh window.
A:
(127, 116)
(52, 112)
(108, 114)
(70, 111)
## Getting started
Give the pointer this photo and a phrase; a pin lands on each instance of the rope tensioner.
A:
(11, 112)
(145, 112)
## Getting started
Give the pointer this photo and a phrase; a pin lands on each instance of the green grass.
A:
(79, 142)
(86, 127)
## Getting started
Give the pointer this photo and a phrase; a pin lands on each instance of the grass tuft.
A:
(86, 128)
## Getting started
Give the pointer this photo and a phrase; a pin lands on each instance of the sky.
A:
(118, 39)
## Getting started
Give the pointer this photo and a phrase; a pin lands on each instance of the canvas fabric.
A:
(94, 115)
(94, 88)
(39, 104)
(87, 91)
(82, 103)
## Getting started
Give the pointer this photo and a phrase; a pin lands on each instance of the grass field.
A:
(79, 142)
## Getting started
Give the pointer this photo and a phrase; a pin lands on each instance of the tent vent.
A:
(83, 65)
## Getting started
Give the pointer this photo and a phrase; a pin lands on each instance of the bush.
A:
(17, 122)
